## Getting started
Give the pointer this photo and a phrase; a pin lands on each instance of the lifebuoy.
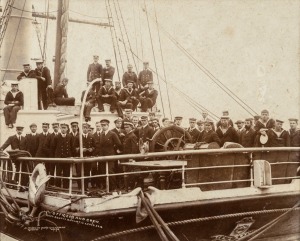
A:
(37, 185)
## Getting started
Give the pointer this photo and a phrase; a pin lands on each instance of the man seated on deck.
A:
(262, 125)
(128, 99)
(247, 136)
(27, 73)
(226, 132)
(60, 94)
(90, 102)
(294, 132)
(144, 76)
(148, 97)
(107, 95)
(14, 101)
(277, 136)
(192, 130)
(129, 75)
(209, 135)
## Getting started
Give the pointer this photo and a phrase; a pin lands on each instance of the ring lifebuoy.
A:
(37, 185)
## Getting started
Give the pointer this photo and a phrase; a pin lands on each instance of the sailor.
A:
(95, 168)
(128, 99)
(16, 142)
(60, 94)
(107, 95)
(178, 121)
(277, 136)
(127, 116)
(165, 122)
(45, 90)
(192, 130)
(89, 104)
(42, 139)
(130, 143)
(94, 72)
(226, 132)
(129, 75)
(108, 71)
(91, 130)
(255, 119)
(262, 125)
(27, 72)
(148, 97)
(240, 127)
(209, 135)
(109, 142)
(145, 132)
(118, 89)
(14, 101)
(118, 130)
(63, 148)
(294, 132)
(225, 113)
(144, 76)
(247, 136)
(31, 140)
(200, 126)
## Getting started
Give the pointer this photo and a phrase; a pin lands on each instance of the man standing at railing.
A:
(278, 137)
(247, 136)
(209, 135)
(262, 125)
(226, 132)
(294, 132)
(42, 137)
(193, 131)
(145, 132)
(31, 140)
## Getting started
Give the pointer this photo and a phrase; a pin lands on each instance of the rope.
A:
(64, 34)
(135, 34)
(31, 11)
(141, 33)
(162, 59)
(207, 72)
(14, 38)
(162, 103)
(118, 20)
(44, 53)
(126, 35)
(86, 15)
(112, 38)
(194, 220)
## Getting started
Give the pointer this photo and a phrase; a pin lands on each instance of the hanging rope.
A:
(112, 38)
(207, 72)
(141, 33)
(135, 33)
(127, 35)
(154, 60)
(120, 27)
(162, 59)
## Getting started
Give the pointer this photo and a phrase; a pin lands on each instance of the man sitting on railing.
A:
(60, 94)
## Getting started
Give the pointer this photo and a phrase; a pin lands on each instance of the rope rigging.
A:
(205, 70)
(135, 33)
(141, 33)
(154, 60)
(109, 12)
(44, 53)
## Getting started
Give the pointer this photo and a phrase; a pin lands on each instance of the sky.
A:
(252, 47)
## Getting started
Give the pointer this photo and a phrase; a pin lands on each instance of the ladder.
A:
(5, 18)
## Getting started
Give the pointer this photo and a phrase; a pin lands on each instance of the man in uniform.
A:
(31, 140)
(209, 135)
(144, 76)
(127, 116)
(148, 97)
(45, 90)
(193, 131)
(14, 101)
(247, 136)
(107, 95)
(155, 125)
(130, 143)
(97, 182)
(225, 113)
(108, 71)
(226, 132)
(200, 125)
(128, 99)
(277, 136)
(118, 130)
(94, 72)
(240, 128)
(118, 89)
(60, 94)
(145, 132)
(131, 76)
(42, 140)
(263, 124)
(135, 121)
(178, 121)
(27, 73)
(90, 102)
(294, 132)
(255, 119)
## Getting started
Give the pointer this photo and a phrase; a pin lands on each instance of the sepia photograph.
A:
(149, 120)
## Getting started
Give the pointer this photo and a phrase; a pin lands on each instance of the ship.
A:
(176, 190)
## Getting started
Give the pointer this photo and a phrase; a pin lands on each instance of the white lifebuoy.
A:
(37, 185)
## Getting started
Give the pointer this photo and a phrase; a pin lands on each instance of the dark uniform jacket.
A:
(230, 122)
(126, 94)
(120, 133)
(49, 143)
(96, 137)
(194, 134)
(150, 94)
(14, 143)
(247, 138)
(130, 76)
(63, 146)
(87, 142)
(108, 144)
(117, 93)
(42, 150)
(295, 138)
(210, 136)
(229, 136)
(144, 77)
(60, 91)
(146, 133)
(30, 74)
(19, 97)
(259, 125)
(91, 96)
(108, 73)
(32, 143)
(94, 71)
(130, 144)
(200, 136)
(104, 91)
(44, 72)
(283, 140)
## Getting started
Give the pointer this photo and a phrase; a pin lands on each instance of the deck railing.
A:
(184, 171)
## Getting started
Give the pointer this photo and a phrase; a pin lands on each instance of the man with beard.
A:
(209, 135)
(148, 97)
(277, 136)
(107, 95)
(42, 139)
(118, 89)
(128, 99)
(294, 132)
(94, 72)
(192, 130)
(263, 124)
(108, 71)
(130, 76)
(45, 90)
(247, 136)
(226, 132)
(27, 73)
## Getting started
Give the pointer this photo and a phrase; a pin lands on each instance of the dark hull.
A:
(222, 217)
